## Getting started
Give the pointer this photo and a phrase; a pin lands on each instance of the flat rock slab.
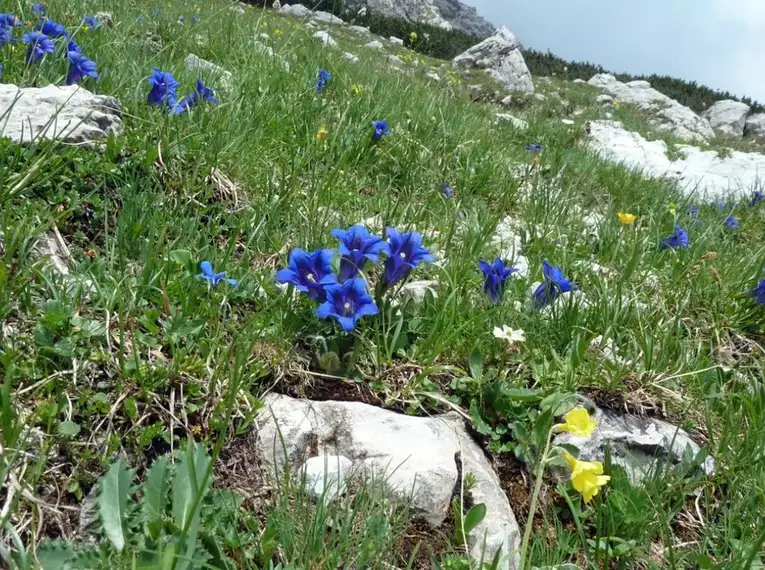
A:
(70, 114)
(417, 457)
(203, 68)
(701, 173)
(636, 444)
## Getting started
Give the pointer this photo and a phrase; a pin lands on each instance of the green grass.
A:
(132, 355)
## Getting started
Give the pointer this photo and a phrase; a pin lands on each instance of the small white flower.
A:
(510, 335)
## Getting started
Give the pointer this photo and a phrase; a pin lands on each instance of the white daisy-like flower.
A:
(510, 335)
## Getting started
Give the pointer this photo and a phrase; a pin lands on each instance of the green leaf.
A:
(476, 364)
(182, 257)
(68, 429)
(475, 515)
(187, 486)
(54, 555)
(522, 394)
(112, 503)
(154, 496)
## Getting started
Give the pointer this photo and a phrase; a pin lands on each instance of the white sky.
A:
(718, 43)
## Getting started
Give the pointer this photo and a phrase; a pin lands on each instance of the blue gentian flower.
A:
(51, 28)
(91, 22)
(555, 283)
(310, 273)
(759, 292)
(678, 239)
(447, 191)
(693, 211)
(495, 276)
(347, 302)
(381, 128)
(39, 45)
(536, 147)
(9, 21)
(732, 222)
(357, 247)
(195, 20)
(757, 197)
(214, 278)
(722, 204)
(73, 46)
(38, 9)
(139, 20)
(200, 93)
(322, 80)
(181, 19)
(163, 88)
(6, 37)
(79, 68)
(405, 252)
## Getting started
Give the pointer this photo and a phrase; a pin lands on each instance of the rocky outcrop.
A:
(636, 444)
(696, 171)
(665, 114)
(500, 55)
(445, 14)
(728, 118)
(420, 459)
(203, 68)
(755, 125)
(70, 114)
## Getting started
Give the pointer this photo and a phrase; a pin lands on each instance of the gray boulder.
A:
(728, 118)
(501, 57)
(327, 18)
(325, 39)
(636, 444)
(198, 66)
(396, 41)
(755, 125)
(70, 114)
(350, 57)
(420, 459)
(361, 30)
(296, 10)
(374, 44)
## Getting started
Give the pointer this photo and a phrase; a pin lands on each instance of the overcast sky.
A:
(719, 43)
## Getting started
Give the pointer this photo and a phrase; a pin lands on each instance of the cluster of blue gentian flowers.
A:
(496, 275)
(323, 80)
(344, 295)
(164, 92)
(40, 42)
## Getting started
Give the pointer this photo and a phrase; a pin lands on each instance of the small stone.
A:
(361, 30)
(296, 10)
(350, 57)
(604, 99)
(507, 101)
(540, 97)
(519, 124)
(580, 81)
(396, 41)
(276, 5)
(326, 476)
(198, 66)
(568, 122)
(433, 76)
(327, 18)
(394, 60)
(325, 39)
(374, 44)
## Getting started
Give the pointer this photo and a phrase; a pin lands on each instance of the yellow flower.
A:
(412, 37)
(672, 208)
(586, 476)
(321, 134)
(617, 104)
(626, 219)
(278, 32)
(578, 422)
(357, 90)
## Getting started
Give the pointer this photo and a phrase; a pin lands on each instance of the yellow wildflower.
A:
(672, 208)
(278, 32)
(617, 104)
(321, 134)
(586, 476)
(357, 90)
(412, 37)
(578, 422)
(196, 430)
(626, 218)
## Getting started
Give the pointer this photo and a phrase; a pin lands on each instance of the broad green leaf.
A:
(182, 257)
(54, 555)
(475, 515)
(68, 429)
(112, 502)
(476, 364)
(154, 495)
(187, 486)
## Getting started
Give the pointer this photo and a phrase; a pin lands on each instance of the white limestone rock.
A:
(325, 477)
(70, 114)
(519, 124)
(296, 10)
(374, 44)
(755, 125)
(325, 39)
(203, 68)
(396, 41)
(501, 57)
(350, 57)
(728, 118)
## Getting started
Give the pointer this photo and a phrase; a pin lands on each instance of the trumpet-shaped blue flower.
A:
(495, 276)
(195, 19)
(323, 79)
(79, 68)
(357, 247)
(678, 240)
(181, 19)
(310, 273)
(163, 88)
(732, 222)
(9, 21)
(73, 46)
(759, 292)
(51, 28)
(214, 278)
(381, 128)
(536, 147)
(6, 37)
(38, 9)
(200, 93)
(405, 252)
(39, 45)
(555, 283)
(91, 22)
(447, 191)
(347, 302)
(757, 197)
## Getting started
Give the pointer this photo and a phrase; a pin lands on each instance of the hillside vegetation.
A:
(131, 381)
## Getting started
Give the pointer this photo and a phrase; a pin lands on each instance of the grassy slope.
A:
(150, 342)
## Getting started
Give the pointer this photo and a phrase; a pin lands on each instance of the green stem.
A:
(534, 500)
